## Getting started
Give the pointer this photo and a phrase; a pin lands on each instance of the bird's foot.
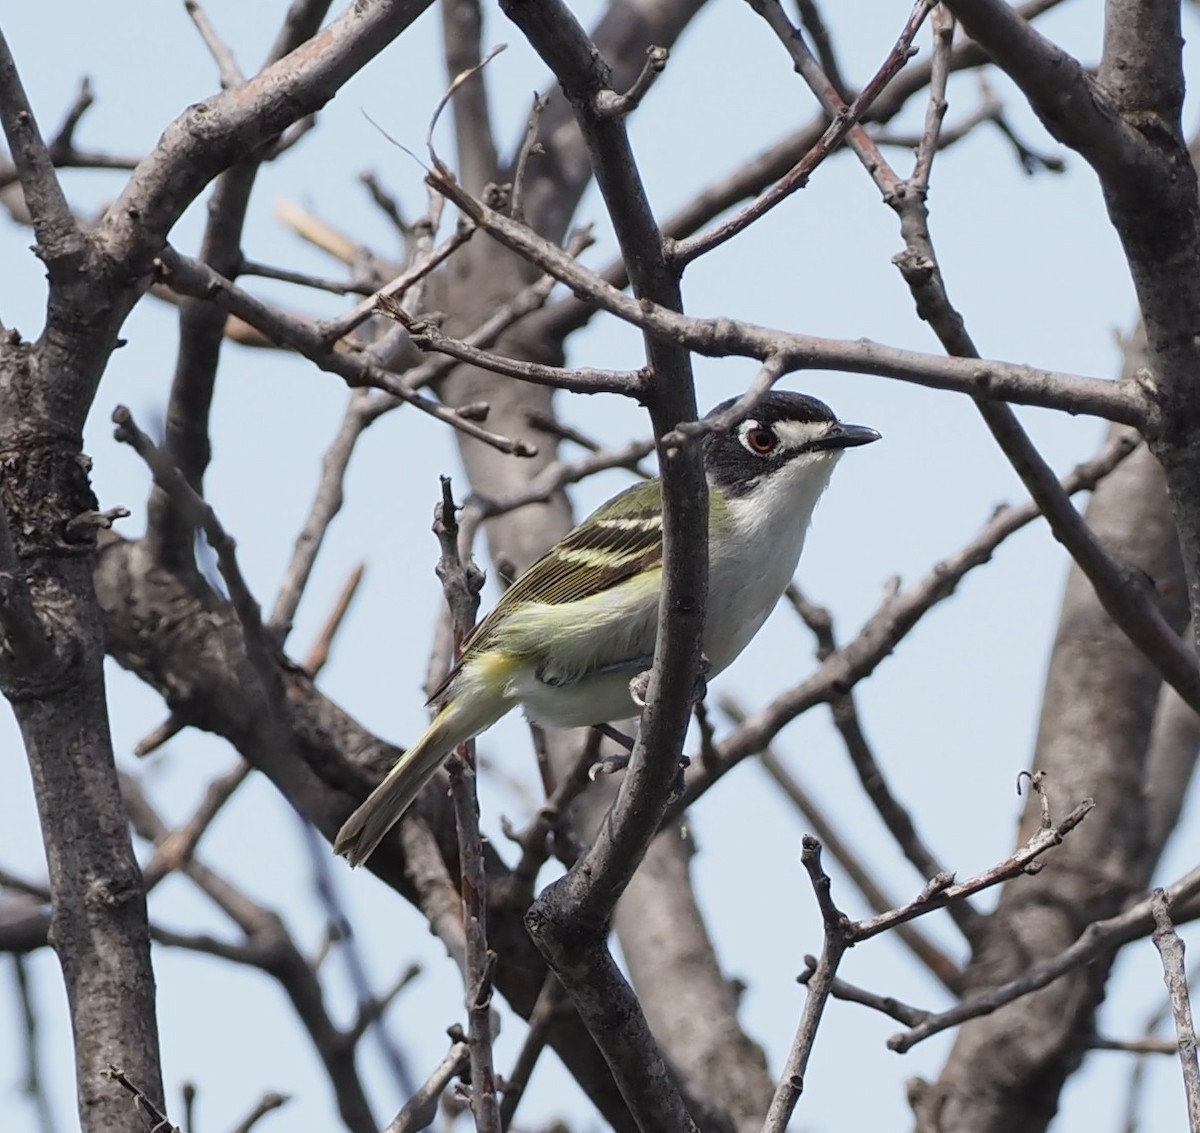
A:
(640, 685)
(608, 765)
(611, 764)
(638, 688)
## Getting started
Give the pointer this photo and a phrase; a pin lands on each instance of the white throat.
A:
(754, 557)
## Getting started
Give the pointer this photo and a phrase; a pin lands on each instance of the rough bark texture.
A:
(99, 927)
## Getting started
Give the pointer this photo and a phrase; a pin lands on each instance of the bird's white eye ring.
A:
(760, 440)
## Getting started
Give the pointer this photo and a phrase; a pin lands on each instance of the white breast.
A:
(751, 561)
(751, 565)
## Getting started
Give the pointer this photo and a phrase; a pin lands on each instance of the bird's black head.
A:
(783, 429)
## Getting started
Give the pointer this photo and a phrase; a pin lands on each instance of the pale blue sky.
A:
(1037, 273)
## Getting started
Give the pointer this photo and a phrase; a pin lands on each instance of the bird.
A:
(567, 638)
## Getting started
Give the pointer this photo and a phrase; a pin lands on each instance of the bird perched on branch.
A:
(568, 637)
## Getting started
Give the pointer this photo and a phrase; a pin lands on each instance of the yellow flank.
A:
(495, 668)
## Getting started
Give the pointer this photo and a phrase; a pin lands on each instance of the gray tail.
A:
(385, 805)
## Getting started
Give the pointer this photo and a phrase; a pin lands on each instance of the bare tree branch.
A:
(1123, 402)
(577, 909)
(421, 1109)
(60, 243)
(840, 934)
(1100, 939)
(935, 960)
(1170, 949)
(191, 277)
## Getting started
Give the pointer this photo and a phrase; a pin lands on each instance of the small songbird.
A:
(570, 634)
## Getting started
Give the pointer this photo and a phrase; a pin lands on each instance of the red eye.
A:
(761, 440)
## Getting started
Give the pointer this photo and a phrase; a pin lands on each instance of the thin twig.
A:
(326, 504)
(142, 1103)
(199, 513)
(939, 964)
(163, 733)
(557, 475)
(331, 330)
(386, 203)
(371, 1010)
(844, 121)
(427, 336)
(305, 279)
(1100, 938)
(59, 238)
(174, 849)
(1137, 1075)
(814, 25)
(819, 986)
(894, 814)
(1146, 1045)
(885, 1004)
(227, 66)
(1170, 950)
(33, 1083)
(190, 277)
(529, 145)
(610, 104)
(437, 897)
(840, 934)
(461, 583)
(318, 655)
(420, 1110)
(266, 1104)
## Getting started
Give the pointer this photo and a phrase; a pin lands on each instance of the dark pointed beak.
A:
(848, 436)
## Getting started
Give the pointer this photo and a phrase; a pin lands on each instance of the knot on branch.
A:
(44, 488)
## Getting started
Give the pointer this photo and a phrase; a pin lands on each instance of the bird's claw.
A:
(608, 765)
(640, 685)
